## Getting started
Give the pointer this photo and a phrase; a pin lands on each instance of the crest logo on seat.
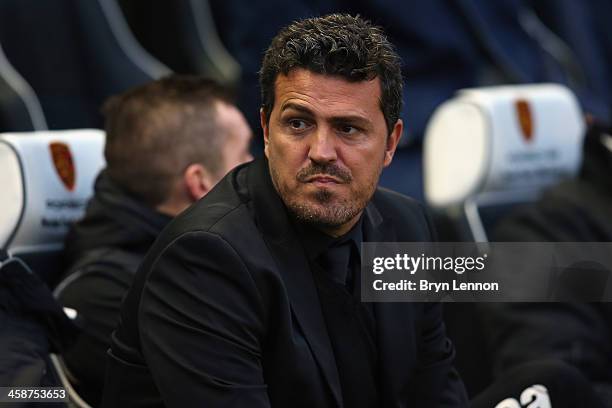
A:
(64, 165)
(525, 119)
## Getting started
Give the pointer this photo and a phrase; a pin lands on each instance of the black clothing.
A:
(224, 311)
(350, 324)
(333, 254)
(104, 250)
(563, 387)
(32, 325)
(113, 220)
(352, 341)
(580, 334)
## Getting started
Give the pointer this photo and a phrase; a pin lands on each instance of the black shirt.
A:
(346, 249)
(351, 326)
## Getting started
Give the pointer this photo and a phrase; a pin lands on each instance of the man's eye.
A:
(348, 130)
(298, 124)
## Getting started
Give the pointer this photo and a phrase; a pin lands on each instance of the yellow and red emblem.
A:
(525, 119)
(64, 165)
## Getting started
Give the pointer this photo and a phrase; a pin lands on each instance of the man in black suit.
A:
(251, 297)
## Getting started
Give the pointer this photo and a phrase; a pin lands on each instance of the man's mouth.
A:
(327, 174)
(323, 180)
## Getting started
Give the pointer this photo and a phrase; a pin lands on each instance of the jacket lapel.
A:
(395, 331)
(272, 220)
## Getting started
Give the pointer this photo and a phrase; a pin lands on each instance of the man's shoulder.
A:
(393, 200)
(109, 267)
(395, 205)
(223, 212)
(408, 216)
(574, 210)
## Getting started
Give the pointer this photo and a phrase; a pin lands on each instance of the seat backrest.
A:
(46, 179)
(182, 34)
(20, 110)
(74, 54)
(489, 149)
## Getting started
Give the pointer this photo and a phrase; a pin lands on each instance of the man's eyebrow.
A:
(354, 119)
(297, 107)
(351, 119)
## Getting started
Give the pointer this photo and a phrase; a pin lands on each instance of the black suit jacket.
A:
(224, 313)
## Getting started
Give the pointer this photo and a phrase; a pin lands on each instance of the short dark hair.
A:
(156, 130)
(336, 44)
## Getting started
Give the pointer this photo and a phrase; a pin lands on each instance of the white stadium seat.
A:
(46, 179)
(498, 146)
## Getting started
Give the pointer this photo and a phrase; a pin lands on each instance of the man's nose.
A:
(323, 146)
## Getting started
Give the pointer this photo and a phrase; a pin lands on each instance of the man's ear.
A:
(198, 181)
(392, 141)
(265, 127)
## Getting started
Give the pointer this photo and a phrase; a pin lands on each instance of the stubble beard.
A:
(323, 209)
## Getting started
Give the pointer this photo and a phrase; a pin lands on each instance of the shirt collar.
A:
(316, 242)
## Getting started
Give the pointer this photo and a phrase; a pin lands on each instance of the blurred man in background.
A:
(168, 143)
(576, 333)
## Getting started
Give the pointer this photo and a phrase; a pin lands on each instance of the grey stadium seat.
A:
(74, 54)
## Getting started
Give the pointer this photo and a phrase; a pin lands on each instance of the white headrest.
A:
(46, 179)
(507, 139)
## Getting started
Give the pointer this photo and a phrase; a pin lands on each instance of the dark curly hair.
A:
(336, 44)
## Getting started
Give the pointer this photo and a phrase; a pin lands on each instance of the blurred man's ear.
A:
(392, 141)
(198, 181)
(264, 126)
(192, 185)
